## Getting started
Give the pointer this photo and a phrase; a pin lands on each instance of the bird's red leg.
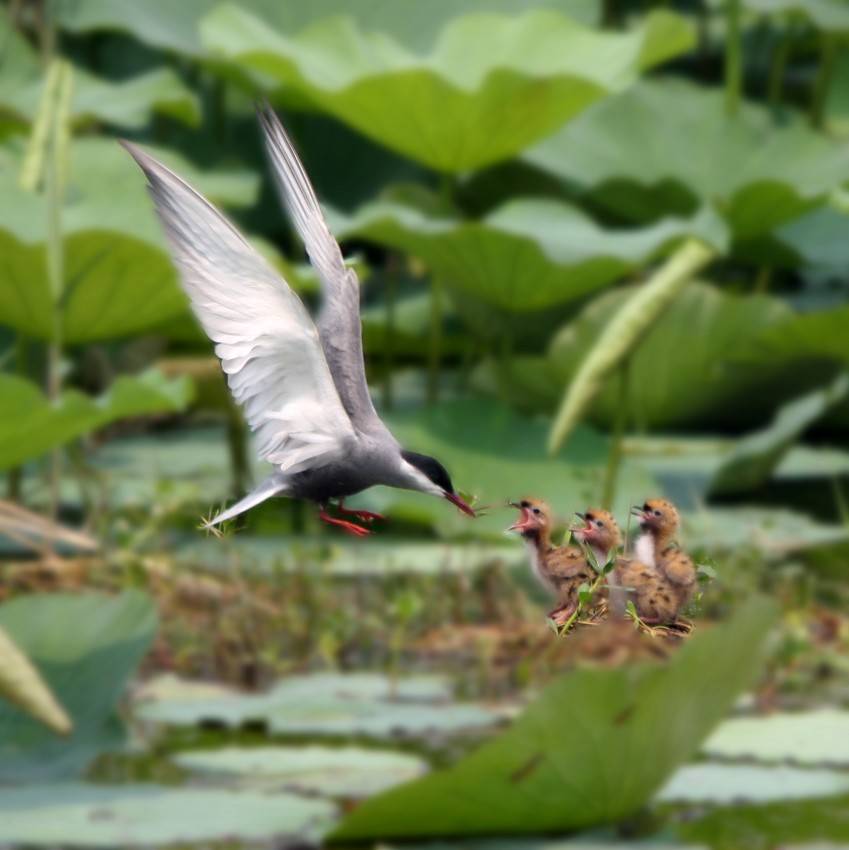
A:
(366, 516)
(350, 527)
(561, 614)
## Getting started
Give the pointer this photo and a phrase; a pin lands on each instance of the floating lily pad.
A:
(326, 704)
(86, 648)
(85, 815)
(810, 737)
(592, 749)
(627, 151)
(344, 557)
(487, 85)
(49, 424)
(347, 772)
(726, 784)
(529, 253)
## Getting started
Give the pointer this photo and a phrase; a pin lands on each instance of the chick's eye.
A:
(537, 511)
(599, 523)
(657, 513)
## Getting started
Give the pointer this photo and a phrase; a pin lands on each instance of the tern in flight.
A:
(302, 384)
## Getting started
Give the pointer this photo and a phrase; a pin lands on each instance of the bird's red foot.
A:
(365, 516)
(350, 527)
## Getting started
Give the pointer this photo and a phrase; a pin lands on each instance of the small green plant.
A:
(586, 592)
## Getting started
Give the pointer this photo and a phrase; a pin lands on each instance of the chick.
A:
(658, 549)
(630, 578)
(560, 569)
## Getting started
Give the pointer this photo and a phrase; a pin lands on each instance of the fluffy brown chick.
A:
(658, 549)
(652, 594)
(560, 569)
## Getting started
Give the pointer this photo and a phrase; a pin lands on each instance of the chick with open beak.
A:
(560, 569)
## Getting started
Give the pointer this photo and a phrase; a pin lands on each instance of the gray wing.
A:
(267, 343)
(339, 326)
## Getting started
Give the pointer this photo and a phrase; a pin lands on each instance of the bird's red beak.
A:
(640, 513)
(580, 530)
(456, 500)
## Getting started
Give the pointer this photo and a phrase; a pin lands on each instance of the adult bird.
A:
(302, 385)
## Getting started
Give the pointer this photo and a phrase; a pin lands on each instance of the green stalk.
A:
(437, 286)
(614, 457)
(825, 73)
(778, 66)
(579, 608)
(624, 332)
(389, 345)
(733, 58)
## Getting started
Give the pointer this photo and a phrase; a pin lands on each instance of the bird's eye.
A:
(599, 523)
(537, 511)
(657, 513)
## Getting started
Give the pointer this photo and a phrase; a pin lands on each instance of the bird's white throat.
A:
(644, 550)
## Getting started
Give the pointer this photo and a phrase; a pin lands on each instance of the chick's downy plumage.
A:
(630, 578)
(658, 548)
(560, 569)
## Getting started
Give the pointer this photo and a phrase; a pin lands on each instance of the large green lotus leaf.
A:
(328, 707)
(86, 647)
(128, 103)
(628, 150)
(756, 456)
(118, 277)
(487, 87)
(86, 815)
(819, 240)
(39, 425)
(528, 254)
(593, 748)
(347, 772)
(686, 467)
(727, 784)
(680, 372)
(810, 737)
(820, 335)
(175, 26)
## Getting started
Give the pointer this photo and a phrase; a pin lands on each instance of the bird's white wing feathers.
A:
(268, 345)
(339, 325)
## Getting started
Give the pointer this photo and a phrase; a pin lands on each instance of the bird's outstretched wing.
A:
(339, 323)
(268, 345)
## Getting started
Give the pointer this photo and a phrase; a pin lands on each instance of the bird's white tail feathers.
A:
(274, 485)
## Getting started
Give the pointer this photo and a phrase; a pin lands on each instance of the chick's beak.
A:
(456, 500)
(638, 511)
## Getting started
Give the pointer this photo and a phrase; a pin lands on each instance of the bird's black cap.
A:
(431, 467)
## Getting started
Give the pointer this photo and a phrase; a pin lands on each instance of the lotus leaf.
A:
(128, 103)
(48, 425)
(85, 815)
(726, 784)
(487, 87)
(348, 772)
(528, 254)
(681, 371)
(635, 725)
(628, 152)
(118, 276)
(809, 737)
(755, 456)
(175, 26)
(85, 647)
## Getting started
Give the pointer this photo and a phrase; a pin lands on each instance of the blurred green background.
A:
(512, 181)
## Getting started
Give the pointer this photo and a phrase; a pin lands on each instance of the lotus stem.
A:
(733, 58)
(614, 457)
(822, 82)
